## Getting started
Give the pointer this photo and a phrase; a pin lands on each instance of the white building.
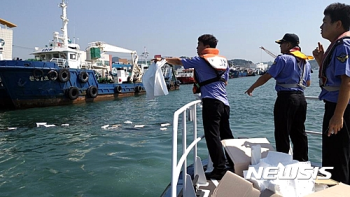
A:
(261, 66)
(6, 35)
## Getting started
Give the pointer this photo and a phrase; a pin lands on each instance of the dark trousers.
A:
(216, 124)
(289, 118)
(336, 148)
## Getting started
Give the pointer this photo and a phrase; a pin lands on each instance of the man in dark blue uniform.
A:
(292, 73)
(335, 83)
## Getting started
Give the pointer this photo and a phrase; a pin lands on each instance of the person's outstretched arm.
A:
(173, 61)
(261, 81)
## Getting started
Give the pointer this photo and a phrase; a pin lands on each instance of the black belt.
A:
(289, 92)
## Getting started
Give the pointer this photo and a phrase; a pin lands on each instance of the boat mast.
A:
(145, 55)
(64, 18)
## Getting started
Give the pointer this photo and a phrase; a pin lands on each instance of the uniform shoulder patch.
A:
(342, 57)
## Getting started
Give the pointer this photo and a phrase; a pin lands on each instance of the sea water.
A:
(122, 147)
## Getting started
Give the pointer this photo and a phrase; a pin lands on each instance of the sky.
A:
(169, 28)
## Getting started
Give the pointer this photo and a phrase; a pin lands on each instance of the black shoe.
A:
(215, 174)
(229, 166)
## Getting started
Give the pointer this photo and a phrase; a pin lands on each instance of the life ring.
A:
(52, 75)
(83, 76)
(64, 75)
(73, 93)
(37, 73)
(92, 91)
(138, 89)
(118, 89)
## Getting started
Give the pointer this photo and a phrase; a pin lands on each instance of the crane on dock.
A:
(268, 52)
(294, 52)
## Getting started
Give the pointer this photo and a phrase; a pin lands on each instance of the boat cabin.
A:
(65, 55)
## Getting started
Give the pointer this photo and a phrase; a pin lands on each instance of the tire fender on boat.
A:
(73, 93)
(118, 89)
(83, 76)
(138, 89)
(92, 91)
(64, 75)
(52, 75)
(37, 73)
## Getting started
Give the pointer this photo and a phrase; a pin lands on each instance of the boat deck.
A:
(191, 180)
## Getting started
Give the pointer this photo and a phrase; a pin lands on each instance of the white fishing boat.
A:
(67, 54)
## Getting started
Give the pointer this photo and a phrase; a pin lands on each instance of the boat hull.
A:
(186, 76)
(26, 84)
(46, 102)
(186, 80)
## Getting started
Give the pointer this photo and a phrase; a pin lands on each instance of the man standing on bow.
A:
(335, 83)
(292, 72)
(212, 72)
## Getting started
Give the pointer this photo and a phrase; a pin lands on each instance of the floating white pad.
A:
(165, 124)
(105, 126)
(38, 124)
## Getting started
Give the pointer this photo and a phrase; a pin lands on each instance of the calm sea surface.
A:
(83, 159)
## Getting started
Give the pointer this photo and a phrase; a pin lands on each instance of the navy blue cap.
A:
(289, 38)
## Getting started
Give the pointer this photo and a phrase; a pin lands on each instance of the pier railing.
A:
(189, 111)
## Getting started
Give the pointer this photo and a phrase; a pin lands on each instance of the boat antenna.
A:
(145, 55)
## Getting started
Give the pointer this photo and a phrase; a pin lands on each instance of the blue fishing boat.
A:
(62, 74)
(26, 84)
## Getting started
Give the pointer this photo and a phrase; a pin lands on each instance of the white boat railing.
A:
(317, 99)
(189, 111)
(313, 132)
(312, 98)
(62, 63)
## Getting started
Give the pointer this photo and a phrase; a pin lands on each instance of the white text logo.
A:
(289, 173)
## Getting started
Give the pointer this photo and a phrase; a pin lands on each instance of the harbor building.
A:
(6, 35)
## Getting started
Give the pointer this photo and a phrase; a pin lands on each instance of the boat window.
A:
(63, 55)
(42, 57)
(72, 56)
(49, 56)
(55, 55)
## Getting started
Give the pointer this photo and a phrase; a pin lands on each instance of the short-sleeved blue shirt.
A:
(338, 66)
(215, 90)
(286, 70)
